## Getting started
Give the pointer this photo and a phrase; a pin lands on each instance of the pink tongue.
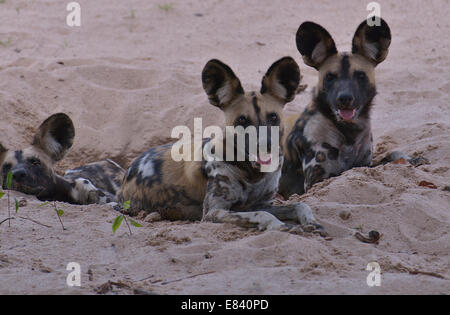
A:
(264, 162)
(347, 114)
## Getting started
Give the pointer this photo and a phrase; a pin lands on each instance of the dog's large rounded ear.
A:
(220, 83)
(315, 44)
(282, 79)
(55, 136)
(372, 42)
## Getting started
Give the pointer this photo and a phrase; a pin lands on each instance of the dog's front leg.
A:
(298, 212)
(222, 195)
(253, 219)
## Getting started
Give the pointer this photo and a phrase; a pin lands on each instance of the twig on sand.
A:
(181, 279)
(108, 287)
(146, 278)
(34, 221)
(7, 219)
(420, 272)
(426, 273)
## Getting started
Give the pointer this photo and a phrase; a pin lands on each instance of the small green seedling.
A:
(118, 220)
(2, 194)
(9, 179)
(59, 212)
(4, 44)
(165, 7)
(17, 205)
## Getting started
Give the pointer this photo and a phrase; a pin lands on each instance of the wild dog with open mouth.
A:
(223, 191)
(333, 134)
(32, 168)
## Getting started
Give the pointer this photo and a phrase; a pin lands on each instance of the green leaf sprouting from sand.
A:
(134, 223)
(117, 222)
(9, 178)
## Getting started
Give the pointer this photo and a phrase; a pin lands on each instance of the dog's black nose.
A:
(345, 99)
(19, 174)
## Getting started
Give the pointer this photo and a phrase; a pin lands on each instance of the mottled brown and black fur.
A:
(32, 167)
(106, 176)
(223, 191)
(333, 134)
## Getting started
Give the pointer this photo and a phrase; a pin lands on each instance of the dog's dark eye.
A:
(272, 118)
(330, 77)
(242, 121)
(360, 76)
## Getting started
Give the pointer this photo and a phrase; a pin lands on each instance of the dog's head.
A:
(32, 167)
(346, 80)
(257, 109)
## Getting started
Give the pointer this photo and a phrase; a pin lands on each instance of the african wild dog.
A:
(223, 191)
(105, 176)
(333, 134)
(33, 173)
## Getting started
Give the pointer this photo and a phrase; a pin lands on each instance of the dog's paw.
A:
(296, 229)
(417, 161)
(316, 229)
(84, 192)
(398, 157)
(272, 225)
(153, 217)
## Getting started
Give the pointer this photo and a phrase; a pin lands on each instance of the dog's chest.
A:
(263, 190)
(358, 154)
(333, 151)
(245, 192)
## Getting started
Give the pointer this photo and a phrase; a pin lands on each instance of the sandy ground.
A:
(131, 73)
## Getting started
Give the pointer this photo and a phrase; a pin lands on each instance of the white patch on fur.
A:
(70, 172)
(146, 168)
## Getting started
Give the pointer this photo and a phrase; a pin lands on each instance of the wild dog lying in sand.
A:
(223, 191)
(32, 168)
(333, 134)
